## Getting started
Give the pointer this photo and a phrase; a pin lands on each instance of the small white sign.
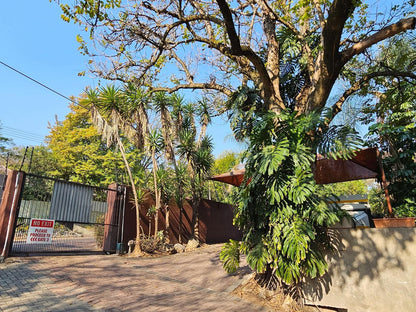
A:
(40, 231)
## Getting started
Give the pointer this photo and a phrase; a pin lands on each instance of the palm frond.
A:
(339, 141)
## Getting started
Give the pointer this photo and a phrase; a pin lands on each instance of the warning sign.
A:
(40, 231)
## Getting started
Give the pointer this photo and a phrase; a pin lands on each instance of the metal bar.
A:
(91, 223)
(70, 182)
(384, 184)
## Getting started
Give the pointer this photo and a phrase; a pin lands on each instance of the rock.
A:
(179, 248)
(192, 245)
(169, 248)
(131, 243)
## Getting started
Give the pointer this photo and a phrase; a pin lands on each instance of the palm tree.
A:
(167, 191)
(204, 112)
(178, 112)
(155, 142)
(178, 104)
(137, 105)
(162, 103)
(107, 108)
(198, 156)
(189, 112)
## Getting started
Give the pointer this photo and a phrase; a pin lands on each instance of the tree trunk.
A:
(195, 214)
(158, 204)
(137, 249)
(180, 201)
(167, 224)
(180, 223)
(157, 193)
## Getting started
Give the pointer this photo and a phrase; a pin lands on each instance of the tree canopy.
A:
(80, 154)
(392, 119)
(219, 45)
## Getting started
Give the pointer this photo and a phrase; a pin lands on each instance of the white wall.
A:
(374, 271)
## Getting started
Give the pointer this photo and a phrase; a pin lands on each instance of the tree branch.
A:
(327, 66)
(387, 32)
(337, 107)
(195, 86)
(188, 74)
(229, 25)
(338, 14)
(238, 50)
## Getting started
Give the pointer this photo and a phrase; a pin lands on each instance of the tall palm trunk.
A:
(157, 192)
(167, 222)
(137, 249)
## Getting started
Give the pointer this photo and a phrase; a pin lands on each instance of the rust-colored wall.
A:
(148, 201)
(216, 222)
(215, 225)
(9, 203)
(130, 216)
(111, 221)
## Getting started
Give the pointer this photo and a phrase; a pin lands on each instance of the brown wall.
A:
(111, 219)
(8, 209)
(215, 224)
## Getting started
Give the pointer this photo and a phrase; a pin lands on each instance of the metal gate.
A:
(79, 214)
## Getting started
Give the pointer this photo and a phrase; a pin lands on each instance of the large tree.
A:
(218, 45)
(278, 63)
(36, 159)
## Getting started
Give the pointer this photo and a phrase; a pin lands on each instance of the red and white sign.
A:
(40, 231)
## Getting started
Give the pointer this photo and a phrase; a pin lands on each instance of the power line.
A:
(14, 133)
(20, 132)
(23, 138)
(39, 83)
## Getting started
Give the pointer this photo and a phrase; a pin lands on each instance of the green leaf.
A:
(230, 256)
(257, 258)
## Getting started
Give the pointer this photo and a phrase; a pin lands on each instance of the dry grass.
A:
(251, 291)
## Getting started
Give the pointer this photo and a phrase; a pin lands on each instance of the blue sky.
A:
(38, 43)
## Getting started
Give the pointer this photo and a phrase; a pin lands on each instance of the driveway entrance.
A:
(78, 213)
(184, 282)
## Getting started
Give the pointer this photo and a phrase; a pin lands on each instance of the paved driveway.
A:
(183, 282)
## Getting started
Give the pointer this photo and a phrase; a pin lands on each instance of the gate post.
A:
(111, 220)
(9, 209)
